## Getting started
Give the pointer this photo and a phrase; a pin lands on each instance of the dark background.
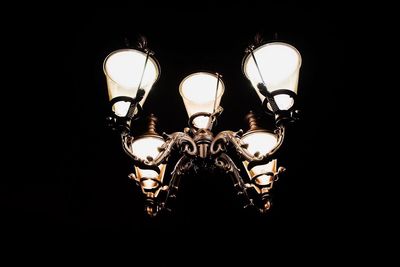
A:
(79, 190)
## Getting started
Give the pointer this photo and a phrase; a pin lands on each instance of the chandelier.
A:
(273, 71)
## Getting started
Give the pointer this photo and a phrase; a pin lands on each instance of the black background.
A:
(79, 190)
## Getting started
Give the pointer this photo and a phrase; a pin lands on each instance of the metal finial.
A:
(252, 121)
(151, 125)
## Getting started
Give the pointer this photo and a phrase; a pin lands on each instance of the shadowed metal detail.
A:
(228, 166)
(199, 149)
(197, 145)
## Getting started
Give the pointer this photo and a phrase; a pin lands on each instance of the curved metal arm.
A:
(127, 140)
(181, 167)
(224, 138)
(179, 139)
(264, 159)
(225, 163)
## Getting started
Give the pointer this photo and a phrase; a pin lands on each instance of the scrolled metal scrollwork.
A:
(226, 138)
(190, 144)
(226, 164)
(178, 139)
(183, 166)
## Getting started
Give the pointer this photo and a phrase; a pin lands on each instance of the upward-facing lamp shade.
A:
(126, 70)
(279, 65)
(200, 94)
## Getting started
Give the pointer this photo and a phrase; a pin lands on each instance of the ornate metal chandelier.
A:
(273, 70)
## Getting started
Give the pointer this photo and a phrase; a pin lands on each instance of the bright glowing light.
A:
(146, 173)
(284, 102)
(143, 148)
(198, 94)
(263, 143)
(147, 147)
(123, 69)
(200, 87)
(262, 169)
(264, 179)
(279, 65)
(149, 184)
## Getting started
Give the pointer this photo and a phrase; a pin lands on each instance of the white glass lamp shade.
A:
(198, 92)
(123, 69)
(279, 64)
(143, 148)
(262, 142)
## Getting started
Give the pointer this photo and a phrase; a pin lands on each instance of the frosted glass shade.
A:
(198, 92)
(145, 147)
(123, 69)
(279, 65)
(262, 142)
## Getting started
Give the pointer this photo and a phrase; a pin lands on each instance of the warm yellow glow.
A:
(147, 146)
(261, 169)
(261, 142)
(264, 179)
(145, 173)
(149, 184)
(144, 147)
(123, 69)
(198, 94)
(279, 64)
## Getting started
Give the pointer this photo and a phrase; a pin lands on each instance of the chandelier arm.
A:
(183, 165)
(280, 132)
(179, 139)
(187, 144)
(226, 164)
(224, 138)
(126, 140)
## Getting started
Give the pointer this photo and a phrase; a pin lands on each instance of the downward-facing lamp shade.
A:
(146, 147)
(200, 94)
(124, 69)
(262, 142)
(279, 64)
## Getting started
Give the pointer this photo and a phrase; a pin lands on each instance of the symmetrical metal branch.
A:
(224, 162)
(200, 146)
(225, 138)
(178, 139)
(197, 146)
(183, 165)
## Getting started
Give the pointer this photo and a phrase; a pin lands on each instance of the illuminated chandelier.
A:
(273, 70)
